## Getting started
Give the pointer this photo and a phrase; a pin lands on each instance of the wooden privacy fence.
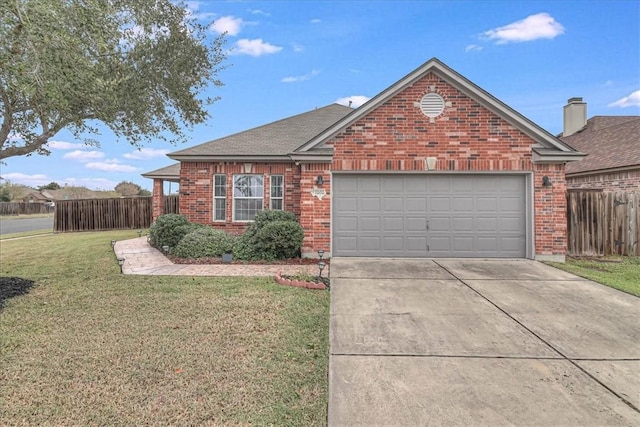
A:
(102, 214)
(20, 208)
(603, 223)
(171, 204)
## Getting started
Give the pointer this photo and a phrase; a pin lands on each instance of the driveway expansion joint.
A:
(572, 361)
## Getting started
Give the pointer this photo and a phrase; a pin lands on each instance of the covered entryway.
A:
(430, 215)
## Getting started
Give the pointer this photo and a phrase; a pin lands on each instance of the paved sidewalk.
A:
(143, 259)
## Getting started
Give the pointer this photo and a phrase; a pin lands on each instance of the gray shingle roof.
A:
(168, 173)
(610, 142)
(274, 139)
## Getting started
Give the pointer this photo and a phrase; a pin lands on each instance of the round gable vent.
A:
(432, 105)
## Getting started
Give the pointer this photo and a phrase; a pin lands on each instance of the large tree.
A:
(141, 67)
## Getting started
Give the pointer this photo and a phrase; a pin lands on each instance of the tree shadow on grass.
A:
(13, 287)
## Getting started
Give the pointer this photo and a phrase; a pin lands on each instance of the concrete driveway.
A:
(479, 342)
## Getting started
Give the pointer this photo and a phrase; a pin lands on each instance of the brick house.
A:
(433, 166)
(612, 145)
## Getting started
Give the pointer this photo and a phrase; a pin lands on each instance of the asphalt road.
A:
(9, 226)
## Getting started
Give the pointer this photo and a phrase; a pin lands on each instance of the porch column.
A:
(158, 198)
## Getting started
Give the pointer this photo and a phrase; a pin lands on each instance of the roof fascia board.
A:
(459, 82)
(603, 171)
(233, 158)
(311, 158)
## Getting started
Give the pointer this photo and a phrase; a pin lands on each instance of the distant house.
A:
(612, 145)
(36, 197)
(433, 166)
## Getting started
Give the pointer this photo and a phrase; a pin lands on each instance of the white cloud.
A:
(302, 78)
(259, 12)
(473, 48)
(35, 180)
(608, 83)
(254, 47)
(298, 48)
(632, 100)
(63, 145)
(110, 165)
(83, 156)
(145, 153)
(91, 183)
(227, 24)
(533, 27)
(356, 100)
(315, 21)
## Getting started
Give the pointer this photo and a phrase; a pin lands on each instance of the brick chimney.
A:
(575, 116)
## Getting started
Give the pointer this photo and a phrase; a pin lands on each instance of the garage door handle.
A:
(427, 224)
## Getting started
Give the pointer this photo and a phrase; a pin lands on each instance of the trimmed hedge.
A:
(272, 235)
(166, 231)
(204, 242)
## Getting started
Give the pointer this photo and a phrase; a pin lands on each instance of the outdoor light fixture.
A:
(321, 266)
(165, 248)
(120, 263)
(320, 253)
(139, 233)
(546, 181)
(113, 243)
(319, 180)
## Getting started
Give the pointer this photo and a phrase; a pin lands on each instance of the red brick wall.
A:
(196, 189)
(614, 181)
(315, 215)
(466, 137)
(158, 198)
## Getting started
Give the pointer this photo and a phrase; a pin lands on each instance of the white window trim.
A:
(271, 198)
(233, 195)
(220, 197)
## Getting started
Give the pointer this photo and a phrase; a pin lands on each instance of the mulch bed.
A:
(12, 287)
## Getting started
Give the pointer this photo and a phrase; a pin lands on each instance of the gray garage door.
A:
(429, 215)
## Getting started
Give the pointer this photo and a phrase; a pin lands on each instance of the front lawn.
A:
(90, 346)
(620, 273)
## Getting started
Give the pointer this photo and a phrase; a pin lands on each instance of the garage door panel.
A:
(415, 225)
(393, 224)
(371, 185)
(368, 224)
(347, 224)
(370, 204)
(415, 204)
(461, 224)
(370, 243)
(420, 215)
(346, 204)
(393, 204)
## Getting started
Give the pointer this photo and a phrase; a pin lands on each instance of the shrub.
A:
(167, 231)
(204, 242)
(279, 240)
(264, 240)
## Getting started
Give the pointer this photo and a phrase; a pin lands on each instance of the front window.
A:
(220, 198)
(248, 194)
(277, 192)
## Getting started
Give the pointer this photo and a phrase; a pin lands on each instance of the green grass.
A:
(619, 273)
(30, 233)
(90, 346)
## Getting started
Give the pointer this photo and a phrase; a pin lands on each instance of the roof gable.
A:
(547, 146)
(610, 142)
(271, 141)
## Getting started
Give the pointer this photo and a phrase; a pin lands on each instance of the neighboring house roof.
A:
(272, 141)
(34, 195)
(167, 173)
(611, 142)
(548, 148)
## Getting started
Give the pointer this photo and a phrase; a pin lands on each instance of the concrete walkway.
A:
(479, 342)
(143, 259)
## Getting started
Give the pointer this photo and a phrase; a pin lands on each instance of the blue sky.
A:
(288, 57)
